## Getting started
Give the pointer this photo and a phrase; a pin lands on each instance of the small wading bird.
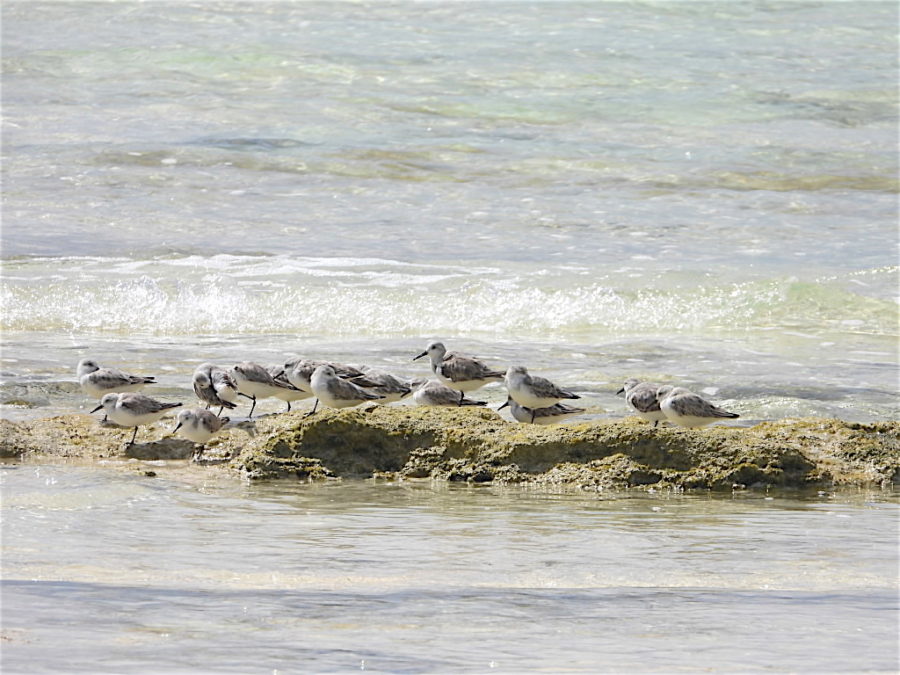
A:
(298, 372)
(133, 410)
(334, 392)
(433, 393)
(549, 415)
(254, 381)
(533, 392)
(458, 372)
(97, 382)
(199, 425)
(288, 395)
(214, 386)
(390, 388)
(641, 396)
(687, 409)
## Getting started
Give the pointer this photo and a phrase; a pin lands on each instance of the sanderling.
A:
(334, 392)
(533, 392)
(641, 396)
(287, 395)
(199, 425)
(96, 381)
(549, 415)
(254, 380)
(389, 387)
(133, 410)
(456, 371)
(687, 409)
(298, 371)
(433, 393)
(214, 386)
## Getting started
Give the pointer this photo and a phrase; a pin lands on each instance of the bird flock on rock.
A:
(530, 399)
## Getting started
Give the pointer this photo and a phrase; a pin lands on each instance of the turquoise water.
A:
(700, 193)
(110, 571)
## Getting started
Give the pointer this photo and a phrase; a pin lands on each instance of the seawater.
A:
(699, 193)
(111, 571)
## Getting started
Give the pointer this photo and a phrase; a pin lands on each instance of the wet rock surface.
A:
(478, 446)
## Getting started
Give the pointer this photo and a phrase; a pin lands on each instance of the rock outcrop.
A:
(477, 445)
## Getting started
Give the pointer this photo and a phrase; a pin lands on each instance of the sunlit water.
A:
(105, 570)
(699, 193)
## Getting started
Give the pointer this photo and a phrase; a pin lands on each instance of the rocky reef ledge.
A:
(477, 445)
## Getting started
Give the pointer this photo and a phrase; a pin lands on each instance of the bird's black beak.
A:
(177, 427)
(421, 355)
(504, 405)
(99, 407)
(621, 391)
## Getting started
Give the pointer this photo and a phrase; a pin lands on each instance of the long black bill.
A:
(504, 405)
(99, 407)
(621, 391)
(420, 356)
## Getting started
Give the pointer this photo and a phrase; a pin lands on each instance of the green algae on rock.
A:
(477, 445)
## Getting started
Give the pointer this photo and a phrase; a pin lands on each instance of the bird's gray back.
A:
(642, 397)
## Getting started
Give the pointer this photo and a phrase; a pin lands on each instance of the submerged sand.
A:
(477, 445)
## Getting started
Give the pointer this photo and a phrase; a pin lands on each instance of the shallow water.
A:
(698, 193)
(114, 571)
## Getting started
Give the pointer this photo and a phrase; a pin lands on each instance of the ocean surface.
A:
(699, 193)
(115, 572)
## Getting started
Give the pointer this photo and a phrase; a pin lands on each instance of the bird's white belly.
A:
(226, 393)
(94, 391)
(257, 389)
(196, 433)
(128, 419)
(654, 416)
(525, 397)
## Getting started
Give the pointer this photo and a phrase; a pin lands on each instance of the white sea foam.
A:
(231, 294)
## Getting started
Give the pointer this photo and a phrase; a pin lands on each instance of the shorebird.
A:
(199, 425)
(641, 396)
(433, 393)
(533, 392)
(389, 387)
(133, 410)
(96, 381)
(287, 395)
(687, 409)
(334, 392)
(254, 381)
(549, 415)
(298, 372)
(456, 371)
(214, 386)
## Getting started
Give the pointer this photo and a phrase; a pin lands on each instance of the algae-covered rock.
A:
(477, 445)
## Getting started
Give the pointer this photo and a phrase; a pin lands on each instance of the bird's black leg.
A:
(289, 406)
(133, 436)
(221, 408)
(462, 395)
(313, 411)
(252, 407)
(533, 413)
